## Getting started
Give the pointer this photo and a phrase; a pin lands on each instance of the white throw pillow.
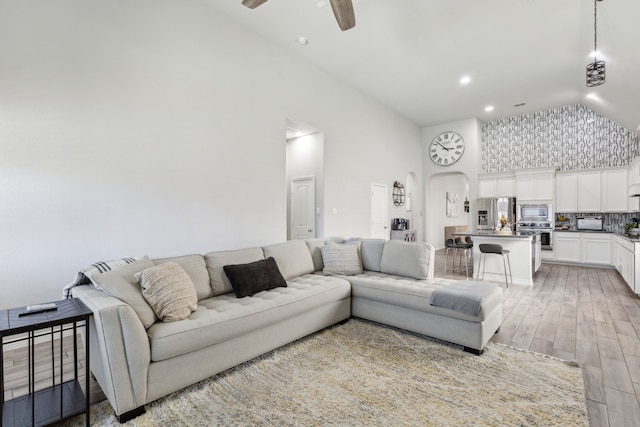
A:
(341, 259)
(169, 291)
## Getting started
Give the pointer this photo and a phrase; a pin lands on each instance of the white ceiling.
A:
(410, 54)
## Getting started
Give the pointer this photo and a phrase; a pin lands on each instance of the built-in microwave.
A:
(535, 212)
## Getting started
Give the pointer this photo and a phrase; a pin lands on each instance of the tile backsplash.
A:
(613, 222)
(572, 137)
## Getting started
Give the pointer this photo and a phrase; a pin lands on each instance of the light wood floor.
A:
(584, 314)
(574, 313)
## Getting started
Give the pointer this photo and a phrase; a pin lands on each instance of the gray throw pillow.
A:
(341, 259)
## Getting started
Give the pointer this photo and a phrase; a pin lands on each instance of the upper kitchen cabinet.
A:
(633, 185)
(589, 192)
(578, 191)
(500, 184)
(597, 190)
(614, 192)
(535, 184)
(566, 192)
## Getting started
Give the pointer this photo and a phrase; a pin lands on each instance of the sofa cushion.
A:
(409, 259)
(169, 291)
(293, 258)
(415, 294)
(341, 259)
(225, 317)
(122, 284)
(251, 278)
(196, 268)
(216, 261)
(371, 252)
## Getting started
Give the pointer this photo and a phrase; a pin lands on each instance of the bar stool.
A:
(467, 251)
(489, 248)
(450, 244)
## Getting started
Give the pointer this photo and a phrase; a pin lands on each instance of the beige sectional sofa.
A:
(137, 358)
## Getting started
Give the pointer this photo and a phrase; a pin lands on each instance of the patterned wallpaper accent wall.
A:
(572, 137)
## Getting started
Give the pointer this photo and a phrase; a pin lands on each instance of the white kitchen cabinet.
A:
(567, 246)
(625, 261)
(496, 185)
(596, 248)
(506, 186)
(589, 194)
(487, 187)
(525, 187)
(544, 186)
(583, 248)
(538, 254)
(535, 184)
(566, 192)
(602, 190)
(614, 192)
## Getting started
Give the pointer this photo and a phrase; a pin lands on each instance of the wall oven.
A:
(535, 213)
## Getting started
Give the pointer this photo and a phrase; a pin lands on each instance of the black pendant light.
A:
(595, 70)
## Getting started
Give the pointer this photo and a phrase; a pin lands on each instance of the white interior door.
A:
(303, 207)
(379, 211)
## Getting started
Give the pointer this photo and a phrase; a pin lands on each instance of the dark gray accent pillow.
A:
(249, 279)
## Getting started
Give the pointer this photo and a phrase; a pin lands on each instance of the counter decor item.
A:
(632, 229)
(562, 223)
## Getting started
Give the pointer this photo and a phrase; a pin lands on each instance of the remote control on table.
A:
(39, 308)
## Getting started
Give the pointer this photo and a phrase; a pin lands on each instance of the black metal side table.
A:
(63, 399)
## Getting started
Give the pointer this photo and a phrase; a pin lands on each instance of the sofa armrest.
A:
(119, 352)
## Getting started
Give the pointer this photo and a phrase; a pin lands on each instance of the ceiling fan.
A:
(342, 9)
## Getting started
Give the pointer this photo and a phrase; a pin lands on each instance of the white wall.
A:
(460, 177)
(439, 185)
(156, 127)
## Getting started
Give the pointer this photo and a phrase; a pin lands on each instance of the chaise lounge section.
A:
(137, 358)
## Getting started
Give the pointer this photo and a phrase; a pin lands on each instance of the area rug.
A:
(366, 374)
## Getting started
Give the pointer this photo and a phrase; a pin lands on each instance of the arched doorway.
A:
(445, 194)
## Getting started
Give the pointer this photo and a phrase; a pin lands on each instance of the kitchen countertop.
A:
(573, 230)
(511, 234)
(633, 239)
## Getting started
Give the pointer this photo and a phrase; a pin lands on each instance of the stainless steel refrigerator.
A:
(491, 210)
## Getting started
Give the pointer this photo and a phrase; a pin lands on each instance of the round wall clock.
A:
(446, 148)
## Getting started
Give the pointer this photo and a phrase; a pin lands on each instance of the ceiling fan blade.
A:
(252, 4)
(343, 10)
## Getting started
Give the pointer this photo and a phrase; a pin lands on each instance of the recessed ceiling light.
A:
(303, 40)
(488, 108)
(465, 80)
(592, 96)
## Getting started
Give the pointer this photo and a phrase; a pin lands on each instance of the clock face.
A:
(446, 148)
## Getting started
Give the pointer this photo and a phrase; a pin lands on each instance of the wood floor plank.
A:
(594, 387)
(622, 408)
(615, 375)
(597, 414)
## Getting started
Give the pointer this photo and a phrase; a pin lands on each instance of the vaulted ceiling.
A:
(411, 54)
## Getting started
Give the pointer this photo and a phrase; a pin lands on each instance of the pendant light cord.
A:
(595, 30)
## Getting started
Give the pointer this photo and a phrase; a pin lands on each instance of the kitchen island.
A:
(524, 255)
